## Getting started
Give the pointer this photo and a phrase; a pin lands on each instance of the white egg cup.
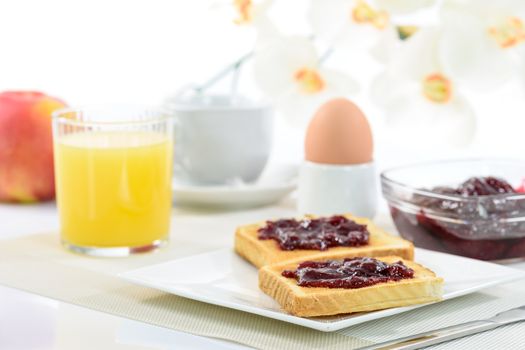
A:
(328, 189)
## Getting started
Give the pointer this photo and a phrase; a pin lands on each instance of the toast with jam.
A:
(322, 288)
(317, 238)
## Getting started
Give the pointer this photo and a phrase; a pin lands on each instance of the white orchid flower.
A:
(249, 14)
(289, 72)
(354, 24)
(420, 97)
(483, 41)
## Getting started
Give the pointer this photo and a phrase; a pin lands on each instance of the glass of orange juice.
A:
(113, 172)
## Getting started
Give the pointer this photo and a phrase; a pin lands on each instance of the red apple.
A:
(26, 146)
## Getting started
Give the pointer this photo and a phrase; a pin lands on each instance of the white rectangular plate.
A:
(223, 278)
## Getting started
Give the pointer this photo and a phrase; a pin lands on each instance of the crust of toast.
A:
(425, 287)
(265, 252)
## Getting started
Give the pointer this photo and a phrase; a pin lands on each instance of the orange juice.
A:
(114, 188)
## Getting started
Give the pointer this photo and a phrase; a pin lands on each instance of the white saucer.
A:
(274, 184)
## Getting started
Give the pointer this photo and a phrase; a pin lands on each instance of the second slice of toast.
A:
(264, 252)
(424, 287)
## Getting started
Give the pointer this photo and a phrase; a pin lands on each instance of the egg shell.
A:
(339, 133)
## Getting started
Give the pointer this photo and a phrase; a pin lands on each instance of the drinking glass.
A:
(113, 169)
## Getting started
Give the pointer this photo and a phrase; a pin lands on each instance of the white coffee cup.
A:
(220, 140)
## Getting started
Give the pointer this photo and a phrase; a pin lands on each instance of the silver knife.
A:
(421, 340)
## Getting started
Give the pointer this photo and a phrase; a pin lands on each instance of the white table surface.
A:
(32, 322)
(29, 321)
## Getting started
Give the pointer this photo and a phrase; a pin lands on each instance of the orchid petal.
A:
(386, 90)
(298, 109)
(417, 56)
(470, 55)
(329, 17)
(267, 32)
(451, 124)
(387, 45)
(404, 6)
(332, 22)
(358, 37)
(487, 9)
(339, 83)
(275, 64)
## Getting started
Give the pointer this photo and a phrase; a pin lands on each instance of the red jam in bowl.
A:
(350, 273)
(315, 234)
(475, 228)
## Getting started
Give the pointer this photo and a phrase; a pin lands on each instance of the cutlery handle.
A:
(417, 341)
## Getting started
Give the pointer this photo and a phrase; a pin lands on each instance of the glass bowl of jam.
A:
(473, 207)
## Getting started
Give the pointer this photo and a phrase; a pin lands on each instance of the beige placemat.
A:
(38, 264)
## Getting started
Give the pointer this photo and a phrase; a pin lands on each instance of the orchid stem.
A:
(223, 73)
(235, 80)
(326, 55)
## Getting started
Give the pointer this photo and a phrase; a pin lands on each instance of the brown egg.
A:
(339, 133)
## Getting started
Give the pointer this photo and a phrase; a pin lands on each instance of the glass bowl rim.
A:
(386, 180)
